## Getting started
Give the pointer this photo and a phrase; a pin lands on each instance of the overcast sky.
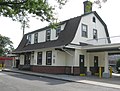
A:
(109, 12)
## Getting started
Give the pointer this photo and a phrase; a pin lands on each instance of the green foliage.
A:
(118, 63)
(19, 10)
(5, 45)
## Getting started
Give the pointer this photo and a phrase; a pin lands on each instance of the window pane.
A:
(84, 30)
(29, 39)
(58, 31)
(48, 35)
(48, 57)
(94, 34)
(94, 20)
(39, 58)
(36, 38)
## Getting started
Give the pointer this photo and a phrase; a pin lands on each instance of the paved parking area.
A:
(113, 82)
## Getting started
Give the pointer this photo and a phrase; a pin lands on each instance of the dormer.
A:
(44, 35)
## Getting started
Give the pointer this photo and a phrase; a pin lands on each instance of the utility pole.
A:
(23, 27)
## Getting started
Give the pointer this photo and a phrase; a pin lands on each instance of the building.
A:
(6, 62)
(79, 45)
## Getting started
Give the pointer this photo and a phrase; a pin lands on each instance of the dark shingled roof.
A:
(66, 36)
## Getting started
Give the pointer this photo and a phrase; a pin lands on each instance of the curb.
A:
(102, 84)
(45, 76)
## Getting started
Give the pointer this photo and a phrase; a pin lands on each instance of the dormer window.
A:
(94, 20)
(84, 30)
(58, 30)
(36, 38)
(48, 32)
(29, 39)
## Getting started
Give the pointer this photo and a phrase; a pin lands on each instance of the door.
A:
(96, 68)
(17, 63)
(81, 61)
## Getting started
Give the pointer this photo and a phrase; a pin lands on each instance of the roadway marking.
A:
(100, 84)
(1, 74)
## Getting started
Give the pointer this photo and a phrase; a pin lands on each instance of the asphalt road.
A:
(19, 82)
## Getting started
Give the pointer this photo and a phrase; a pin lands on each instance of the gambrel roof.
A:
(66, 36)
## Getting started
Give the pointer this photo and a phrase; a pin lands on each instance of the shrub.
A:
(118, 65)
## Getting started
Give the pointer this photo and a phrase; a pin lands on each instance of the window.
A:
(27, 59)
(48, 35)
(84, 30)
(29, 39)
(36, 38)
(94, 34)
(58, 31)
(94, 20)
(39, 58)
(48, 57)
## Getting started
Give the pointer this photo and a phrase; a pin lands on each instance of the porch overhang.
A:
(111, 48)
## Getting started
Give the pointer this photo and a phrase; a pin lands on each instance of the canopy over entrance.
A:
(110, 48)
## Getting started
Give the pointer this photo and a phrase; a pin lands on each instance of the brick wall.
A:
(76, 70)
(49, 69)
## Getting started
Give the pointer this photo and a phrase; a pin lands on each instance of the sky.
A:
(109, 12)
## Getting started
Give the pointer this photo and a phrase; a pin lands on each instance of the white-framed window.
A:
(58, 30)
(48, 34)
(39, 58)
(48, 57)
(84, 30)
(29, 39)
(95, 35)
(36, 38)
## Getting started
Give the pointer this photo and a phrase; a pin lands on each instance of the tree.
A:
(19, 10)
(99, 2)
(5, 45)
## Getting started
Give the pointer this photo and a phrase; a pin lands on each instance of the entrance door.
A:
(81, 61)
(95, 61)
(96, 68)
(17, 63)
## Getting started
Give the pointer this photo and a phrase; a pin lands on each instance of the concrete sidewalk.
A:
(113, 82)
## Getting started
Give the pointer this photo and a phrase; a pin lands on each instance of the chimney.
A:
(87, 6)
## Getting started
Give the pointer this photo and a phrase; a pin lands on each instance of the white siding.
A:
(91, 25)
(63, 26)
(21, 59)
(35, 58)
(32, 38)
(61, 59)
(101, 59)
(53, 34)
(77, 54)
(70, 58)
(43, 57)
(32, 59)
(41, 36)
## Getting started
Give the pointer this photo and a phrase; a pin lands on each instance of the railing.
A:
(102, 41)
